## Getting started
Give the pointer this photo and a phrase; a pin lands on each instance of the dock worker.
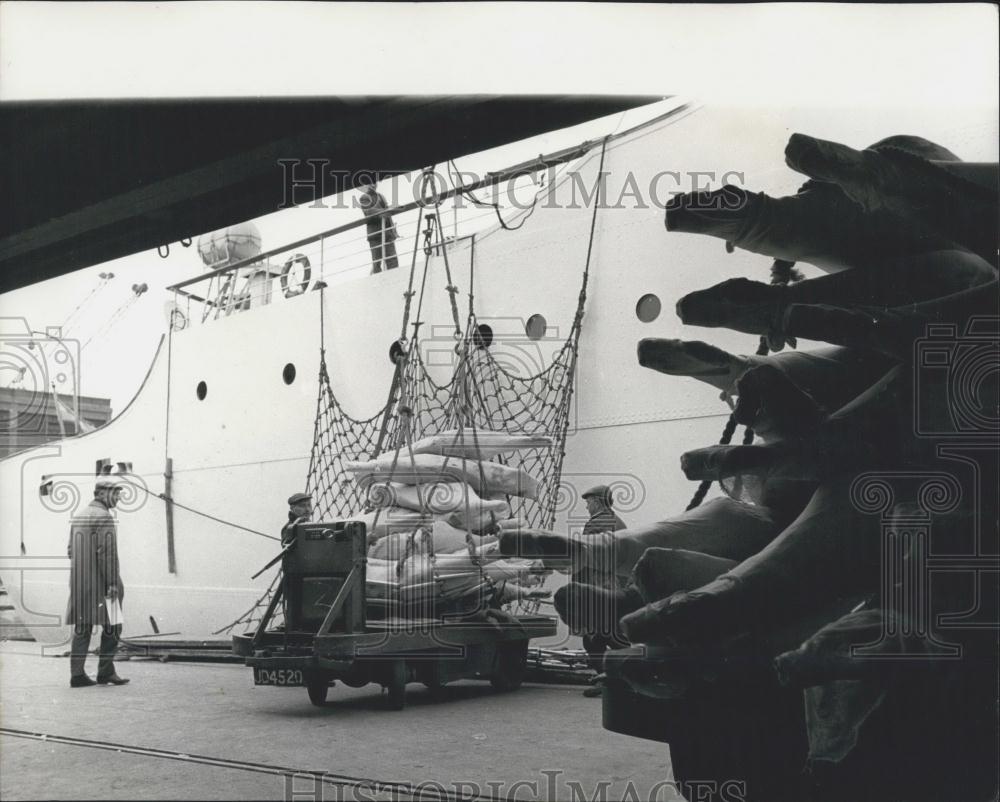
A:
(381, 230)
(95, 585)
(299, 512)
(602, 519)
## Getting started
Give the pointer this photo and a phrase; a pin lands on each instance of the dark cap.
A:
(298, 498)
(105, 484)
(603, 492)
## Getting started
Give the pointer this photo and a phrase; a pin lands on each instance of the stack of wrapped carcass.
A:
(435, 511)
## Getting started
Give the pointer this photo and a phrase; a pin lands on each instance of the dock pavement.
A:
(203, 731)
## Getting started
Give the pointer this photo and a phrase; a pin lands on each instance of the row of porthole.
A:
(647, 309)
(287, 376)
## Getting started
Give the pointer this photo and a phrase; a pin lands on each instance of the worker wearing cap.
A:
(602, 519)
(299, 511)
(94, 583)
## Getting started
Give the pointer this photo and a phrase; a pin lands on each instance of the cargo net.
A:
(482, 396)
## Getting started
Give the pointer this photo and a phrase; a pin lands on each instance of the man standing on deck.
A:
(95, 585)
(381, 230)
(299, 512)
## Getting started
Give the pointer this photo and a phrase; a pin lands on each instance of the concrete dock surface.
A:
(203, 731)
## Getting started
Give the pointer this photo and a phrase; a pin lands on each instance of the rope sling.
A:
(782, 274)
(481, 395)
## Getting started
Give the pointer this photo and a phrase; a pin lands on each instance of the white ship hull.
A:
(242, 450)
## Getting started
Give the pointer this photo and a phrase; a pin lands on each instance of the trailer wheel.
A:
(434, 678)
(317, 683)
(396, 685)
(510, 665)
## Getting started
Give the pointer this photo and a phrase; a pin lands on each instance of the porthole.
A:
(647, 309)
(483, 336)
(535, 327)
(288, 374)
(201, 391)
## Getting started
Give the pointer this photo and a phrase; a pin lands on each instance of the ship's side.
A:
(218, 405)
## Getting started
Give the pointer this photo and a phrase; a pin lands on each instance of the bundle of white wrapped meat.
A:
(489, 479)
(440, 501)
(408, 578)
(479, 444)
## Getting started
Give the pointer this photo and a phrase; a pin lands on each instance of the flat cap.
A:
(603, 492)
(104, 483)
(298, 498)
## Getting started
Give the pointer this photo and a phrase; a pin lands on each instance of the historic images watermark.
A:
(314, 183)
(938, 558)
(551, 785)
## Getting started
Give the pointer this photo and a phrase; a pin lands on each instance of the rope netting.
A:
(482, 394)
(502, 401)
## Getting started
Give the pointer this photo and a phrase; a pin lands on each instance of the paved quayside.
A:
(203, 731)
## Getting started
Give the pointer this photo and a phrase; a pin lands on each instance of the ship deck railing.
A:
(344, 253)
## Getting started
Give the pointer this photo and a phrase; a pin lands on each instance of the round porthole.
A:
(288, 374)
(647, 309)
(483, 336)
(201, 390)
(535, 327)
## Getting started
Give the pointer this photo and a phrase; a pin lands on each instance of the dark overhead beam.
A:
(85, 183)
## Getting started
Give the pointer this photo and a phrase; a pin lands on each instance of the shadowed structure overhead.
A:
(87, 182)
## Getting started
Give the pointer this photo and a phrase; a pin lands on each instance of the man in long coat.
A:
(94, 584)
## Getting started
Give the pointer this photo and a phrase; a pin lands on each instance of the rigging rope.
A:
(118, 314)
(783, 273)
(167, 499)
(102, 282)
(465, 193)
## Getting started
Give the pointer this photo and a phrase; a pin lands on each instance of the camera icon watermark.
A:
(954, 373)
(520, 372)
(40, 383)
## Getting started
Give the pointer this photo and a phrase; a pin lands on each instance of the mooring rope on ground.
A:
(419, 791)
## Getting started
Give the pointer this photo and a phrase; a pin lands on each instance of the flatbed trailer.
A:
(394, 653)
(321, 644)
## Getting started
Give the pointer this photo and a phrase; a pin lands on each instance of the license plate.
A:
(284, 677)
